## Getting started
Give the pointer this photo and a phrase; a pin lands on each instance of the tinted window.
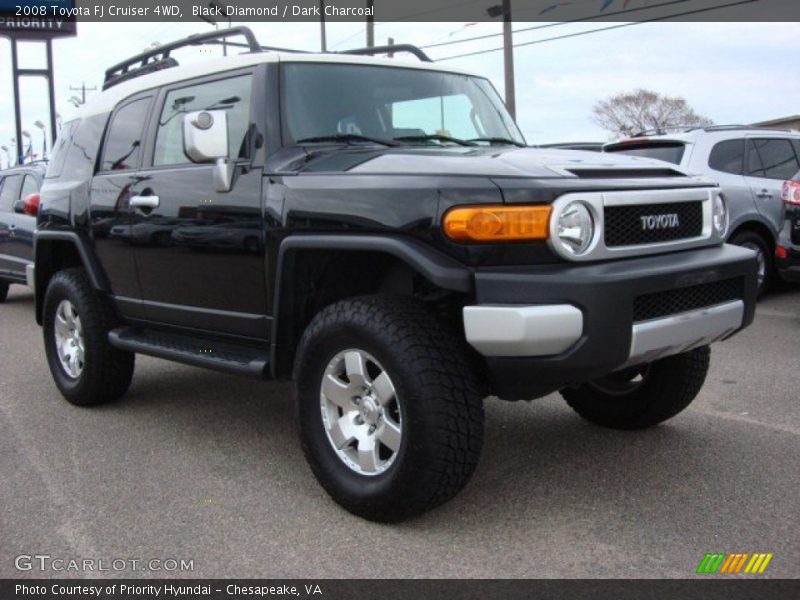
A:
(772, 159)
(9, 192)
(728, 157)
(124, 140)
(672, 153)
(231, 95)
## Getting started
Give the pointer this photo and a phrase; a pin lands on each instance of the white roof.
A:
(107, 100)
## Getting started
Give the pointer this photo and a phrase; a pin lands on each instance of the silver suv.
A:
(750, 165)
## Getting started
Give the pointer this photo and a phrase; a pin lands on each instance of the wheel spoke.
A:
(356, 368)
(62, 329)
(390, 435)
(343, 431)
(368, 458)
(383, 388)
(337, 392)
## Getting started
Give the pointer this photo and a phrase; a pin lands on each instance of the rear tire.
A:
(4, 285)
(766, 262)
(644, 396)
(86, 368)
(433, 403)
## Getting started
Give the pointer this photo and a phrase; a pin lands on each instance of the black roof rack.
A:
(390, 50)
(159, 58)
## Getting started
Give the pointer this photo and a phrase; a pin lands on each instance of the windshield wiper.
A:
(346, 137)
(434, 137)
(499, 140)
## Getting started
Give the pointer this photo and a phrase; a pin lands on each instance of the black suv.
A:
(377, 232)
(19, 203)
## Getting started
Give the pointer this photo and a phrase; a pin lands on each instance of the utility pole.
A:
(82, 89)
(495, 11)
(371, 24)
(508, 59)
(323, 37)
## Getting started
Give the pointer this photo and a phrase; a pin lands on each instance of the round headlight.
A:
(720, 216)
(575, 228)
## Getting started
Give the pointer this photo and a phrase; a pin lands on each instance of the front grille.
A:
(624, 225)
(672, 302)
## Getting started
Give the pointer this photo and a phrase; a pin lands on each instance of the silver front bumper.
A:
(548, 330)
(30, 272)
(682, 332)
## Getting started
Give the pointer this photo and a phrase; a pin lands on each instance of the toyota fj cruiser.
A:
(378, 232)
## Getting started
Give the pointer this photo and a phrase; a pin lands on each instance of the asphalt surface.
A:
(202, 466)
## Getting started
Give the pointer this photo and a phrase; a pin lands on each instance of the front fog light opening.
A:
(575, 228)
(719, 215)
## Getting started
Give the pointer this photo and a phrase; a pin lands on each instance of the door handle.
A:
(144, 201)
(764, 194)
(12, 226)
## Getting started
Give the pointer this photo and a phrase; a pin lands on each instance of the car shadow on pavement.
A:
(540, 461)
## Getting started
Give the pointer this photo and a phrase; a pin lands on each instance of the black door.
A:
(110, 202)
(199, 253)
(22, 226)
(10, 267)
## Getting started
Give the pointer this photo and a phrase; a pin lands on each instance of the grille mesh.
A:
(623, 224)
(672, 302)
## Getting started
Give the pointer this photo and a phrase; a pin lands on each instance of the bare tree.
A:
(629, 113)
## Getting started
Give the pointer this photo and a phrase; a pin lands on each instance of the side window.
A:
(123, 145)
(231, 95)
(29, 186)
(9, 192)
(772, 159)
(728, 157)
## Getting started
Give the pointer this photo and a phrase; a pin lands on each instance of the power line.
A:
(601, 29)
(548, 25)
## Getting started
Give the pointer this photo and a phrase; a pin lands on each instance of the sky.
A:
(729, 72)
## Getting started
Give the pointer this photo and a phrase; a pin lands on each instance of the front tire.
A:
(642, 396)
(86, 368)
(389, 411)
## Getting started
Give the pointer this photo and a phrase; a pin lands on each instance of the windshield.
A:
(671, 152)
(322, 100)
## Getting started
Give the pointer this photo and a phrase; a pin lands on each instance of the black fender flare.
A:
(43, 240)
(440, 269)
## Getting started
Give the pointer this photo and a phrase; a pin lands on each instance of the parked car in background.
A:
(19, 203)
(588, 146)
(749, 163)
(787, 252)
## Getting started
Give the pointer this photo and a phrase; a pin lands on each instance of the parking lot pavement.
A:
(206, 467)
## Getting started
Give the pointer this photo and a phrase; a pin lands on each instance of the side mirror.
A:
(205, 139)
(30, 206)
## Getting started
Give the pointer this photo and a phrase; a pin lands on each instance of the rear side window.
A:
(123, 145)
(231, 95)
(9, 192)
(669, 152)
(772, 159)
(60, 149)
(29, 186)
(728, 157)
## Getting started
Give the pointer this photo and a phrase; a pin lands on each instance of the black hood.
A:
(485, 161)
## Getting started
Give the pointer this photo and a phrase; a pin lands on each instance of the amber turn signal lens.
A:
(497, 223)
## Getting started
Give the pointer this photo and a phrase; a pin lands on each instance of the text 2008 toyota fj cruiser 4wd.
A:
(377, 232)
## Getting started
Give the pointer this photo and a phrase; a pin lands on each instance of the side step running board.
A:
(230, 358)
